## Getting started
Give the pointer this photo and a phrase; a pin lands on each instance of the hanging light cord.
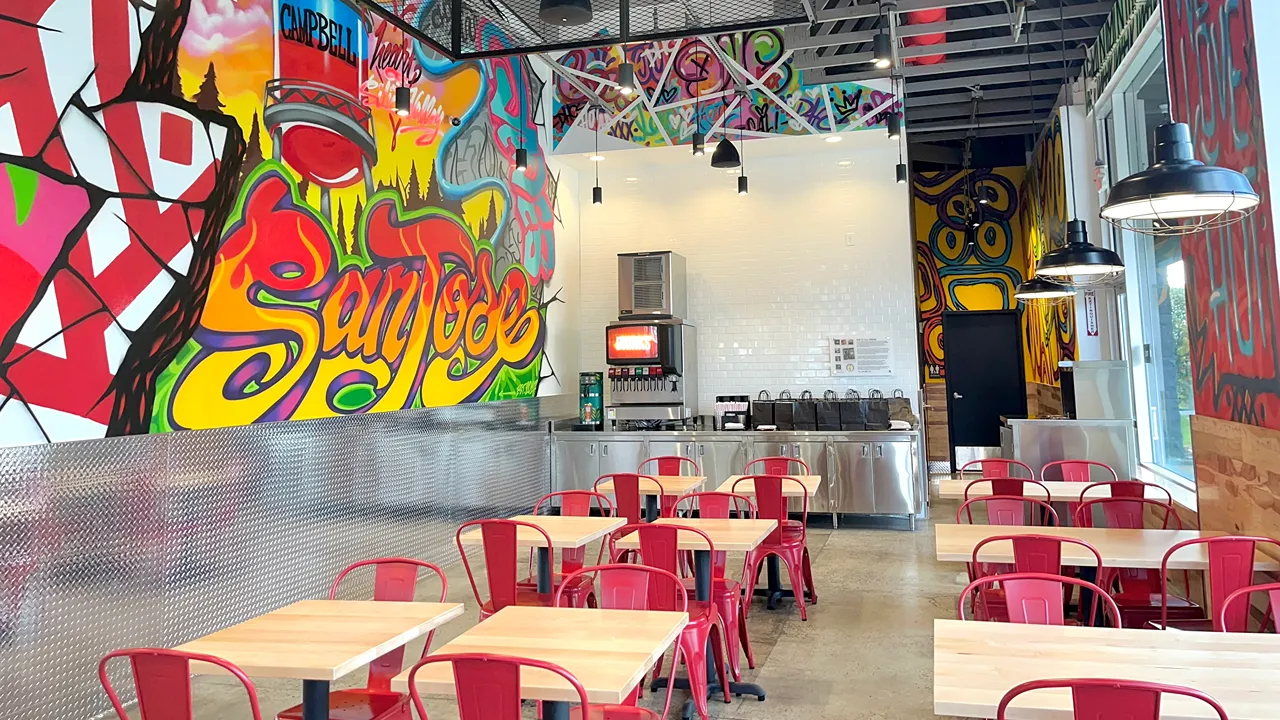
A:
(597, 164)
(1066, 98)
(742, 149)
(902, 90)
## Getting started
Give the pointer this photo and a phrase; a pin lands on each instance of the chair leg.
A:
(755, 563)
(795, 570)
(808, 578)
(717, 650)
(731, 615)
(745, 637)
(695, 660)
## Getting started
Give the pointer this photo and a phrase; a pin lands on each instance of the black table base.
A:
(775, 591)
(315, 700)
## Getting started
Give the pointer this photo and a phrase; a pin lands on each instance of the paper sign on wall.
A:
(1090, 313)
(863, 356)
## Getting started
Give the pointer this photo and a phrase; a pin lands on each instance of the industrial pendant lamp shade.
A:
(565, 12)
(742, 184)
(1038, 288)
(726, 155)
(881, 50)
(522, 159)
(894, 125)
(901, 173)
(626, 78)
(597, 195)
(699, 144)
(1079, 262)
(402, 101)
(1178, 194)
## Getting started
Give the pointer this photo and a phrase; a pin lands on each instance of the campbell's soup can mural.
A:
(320, 61)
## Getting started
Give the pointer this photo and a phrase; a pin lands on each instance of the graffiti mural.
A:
(216, 216)
(1231, 272)
(1048, 330)
(111, 199)
(683, 84)
(957, 267)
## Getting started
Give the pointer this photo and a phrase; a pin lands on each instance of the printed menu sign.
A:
(864, 356)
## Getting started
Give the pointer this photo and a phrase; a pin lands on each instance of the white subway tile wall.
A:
(816, 250)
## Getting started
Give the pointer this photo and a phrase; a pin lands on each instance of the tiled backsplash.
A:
(816, 251)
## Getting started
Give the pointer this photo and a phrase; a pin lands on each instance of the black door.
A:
(984, 375)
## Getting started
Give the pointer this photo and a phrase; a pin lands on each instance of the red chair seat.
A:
(614, 712)
(557, 579)
(524, 596)
(358, 704)
(1140, 608)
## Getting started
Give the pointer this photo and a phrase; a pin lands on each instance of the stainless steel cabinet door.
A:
(853, 484)
(814, 454)
(894, 471)
(721, 458)
(682, 446)
(621, 456)
(577, 465)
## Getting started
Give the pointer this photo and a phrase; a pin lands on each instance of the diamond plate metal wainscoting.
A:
(156, 539)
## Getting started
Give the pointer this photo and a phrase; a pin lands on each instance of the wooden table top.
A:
(731, 534)
(671, 484)
(789, 489)
(320, 639)
(1119, 548)
(975, 663)
(1059, 491)
(609, 651)
(566, 531)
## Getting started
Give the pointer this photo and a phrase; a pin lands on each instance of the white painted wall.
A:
(815, 251)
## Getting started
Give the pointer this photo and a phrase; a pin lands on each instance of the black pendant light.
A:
(626, 77)
(742, 164)
(597, 193)
(402, 101)
(882, 50)
(565, 13)
(900, 172)
(1178, 194)
(522, 155)
(1080, 262)
(699, 139)
(1038, 288)
(726, 155)
(894, 125)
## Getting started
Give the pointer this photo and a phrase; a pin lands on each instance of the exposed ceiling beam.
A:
(1027, 129)
(854, 12)
(984, 108)
(997, 19)
(808, 59)
(989, 62)
(982, 80)
(966, 124)
(965, 96)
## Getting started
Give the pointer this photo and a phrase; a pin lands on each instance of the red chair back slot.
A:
(1035, 553)
(998, 468)
(488, 685)
(622, 586)
(1037, 598)
(1076, 470)
(1229, 618)
(1007, 510)
(394, 580)
(626, 490)
(773, 505)
(1093, 698)
(1125, 489)
(162, 682)
(1127, 512)
(1231, 560)
(670, 465)
(499, 539)
(777, 465)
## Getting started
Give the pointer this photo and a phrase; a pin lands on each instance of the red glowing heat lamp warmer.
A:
(921, 17)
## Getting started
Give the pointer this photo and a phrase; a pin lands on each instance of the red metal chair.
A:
(1011, 486)
(396, 580)
(1009, 510)
(573, 503)
(725, 593)
(670, 465)
(500, 549)
(162, 680)
(1031, 553)
(1125, 489)
(1036, 598)
(626, 491)
(788, 541)
(1139, 591)
(659, 548)
(488, 685)
(1230, 618)
(1096, 698)
(778, 465)
(624, 586)
(998, 468)
(1231, 559)
(1078, 471)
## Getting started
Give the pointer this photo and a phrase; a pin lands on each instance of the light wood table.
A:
(676, 485)
(1119, 548)
(1059, 491)
(318, 641)
(976, 663)
(737, 535)
(608, 651)
(567, 532)
(811, 484)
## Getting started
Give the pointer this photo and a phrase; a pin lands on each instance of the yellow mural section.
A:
(959, 267)
(1048, 330)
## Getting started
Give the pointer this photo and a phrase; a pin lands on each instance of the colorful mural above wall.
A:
(1048, 330)
(683, 84)
(216, 218)
(958, 268)
(1231, 272)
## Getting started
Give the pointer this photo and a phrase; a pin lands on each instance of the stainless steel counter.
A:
(873, 473)
(1037, 442)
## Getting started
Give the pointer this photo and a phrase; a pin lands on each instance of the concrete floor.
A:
(865, 652)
